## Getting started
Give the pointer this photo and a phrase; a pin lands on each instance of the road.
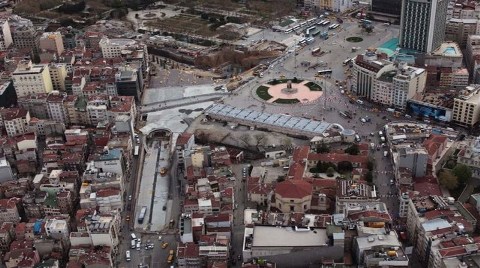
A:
(328, 106)
(325, 108)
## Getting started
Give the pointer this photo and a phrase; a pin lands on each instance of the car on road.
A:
(160, 238)
(127, 218)
(130, 198)
(163, 171)
(164, 245)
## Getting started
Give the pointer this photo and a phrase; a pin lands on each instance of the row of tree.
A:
(455, 178)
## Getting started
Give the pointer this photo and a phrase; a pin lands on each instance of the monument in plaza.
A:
(289, 89)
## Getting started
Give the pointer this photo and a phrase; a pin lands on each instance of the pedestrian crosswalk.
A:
(383, 172)
(388, 196)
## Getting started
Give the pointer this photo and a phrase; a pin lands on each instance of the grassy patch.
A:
(262, 92)
(281, 81)
(313, 86)
(286, 101)
(285, 23)
(354, 39)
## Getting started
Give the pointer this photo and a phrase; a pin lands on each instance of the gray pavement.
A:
(326, 108)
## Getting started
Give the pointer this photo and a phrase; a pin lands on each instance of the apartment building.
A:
(31, 79)
(51, 42)
(5, 35)
(466, 107)
(422, 26)
(15, 121)
(58, 74)
(56, 107)
(472, 56)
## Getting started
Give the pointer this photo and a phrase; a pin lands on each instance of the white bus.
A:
(336, 26)
(325, 72)
(347, 61)
(127, 255)
(331, 27)
(135, 152)
(326, 23)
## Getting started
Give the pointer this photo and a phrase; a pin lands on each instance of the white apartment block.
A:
(472, 52)
(56, 108)
(408, 82)
(31, 79)
(5, 35)
(382, 81)
(58, 73)
(9, 210)
(382, 91)
(57, 229)
(52, 42)
(97, 107)
(15, 121)
(104, 230)
(112, 48)
(466, 107)
(332, 5)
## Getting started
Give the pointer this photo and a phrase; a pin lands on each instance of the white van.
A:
(382, 138)
(133, 244)
(357, 138)
(385, 153)
(133, 236)
(380, 133)
(127, 255)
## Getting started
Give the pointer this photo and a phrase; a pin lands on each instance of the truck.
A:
(170, 256)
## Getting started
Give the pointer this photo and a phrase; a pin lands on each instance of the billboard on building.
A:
(427, 110)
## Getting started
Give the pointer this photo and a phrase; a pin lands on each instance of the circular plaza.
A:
(289, 91)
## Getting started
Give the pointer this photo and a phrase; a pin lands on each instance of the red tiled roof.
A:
(293, 189)
(376, 215)
(434, 214)
(427, 186)
(300, 153)
(296, 171)
(452, 252)
(107, 192)
(254, 186)
(336, 158)
(13, 113)
(188, 250)
(183, 138)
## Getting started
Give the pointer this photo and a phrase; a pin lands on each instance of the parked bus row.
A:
(333, 26)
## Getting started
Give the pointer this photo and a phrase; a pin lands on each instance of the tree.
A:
(353, 149)
(323, 166)
(323, 149)
(344, 166)
(448, 180)
(330, 171)
(369, 177)
(369, 29)
(261, 138)
(463, 173)
(245, 138)
(370, 165)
